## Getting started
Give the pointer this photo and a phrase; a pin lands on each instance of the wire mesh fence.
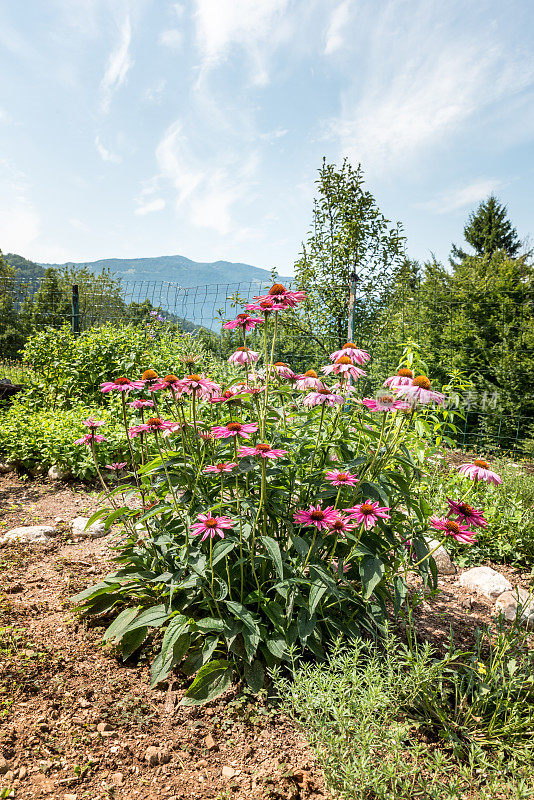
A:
(488, 339)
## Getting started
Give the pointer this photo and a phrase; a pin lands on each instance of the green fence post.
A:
(75, 310)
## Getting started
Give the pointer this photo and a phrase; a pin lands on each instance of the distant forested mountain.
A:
(25, 270)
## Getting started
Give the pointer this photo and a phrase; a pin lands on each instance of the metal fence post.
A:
(75, 310)
(351, 326)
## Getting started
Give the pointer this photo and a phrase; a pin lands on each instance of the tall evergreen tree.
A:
(487, 230)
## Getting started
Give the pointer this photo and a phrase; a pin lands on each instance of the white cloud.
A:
(172, 38)
(148, 207)
(420, 82)
(119, 63)
(105, 154)
(20, 222)
(154, 94)
(248, 24)
(337, 28)
(207, 187)
(465, 196)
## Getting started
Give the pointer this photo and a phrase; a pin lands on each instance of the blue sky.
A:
(149, 127)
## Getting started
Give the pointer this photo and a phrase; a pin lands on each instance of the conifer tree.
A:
(488, 230)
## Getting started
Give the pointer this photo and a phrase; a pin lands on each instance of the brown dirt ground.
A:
(76, 723)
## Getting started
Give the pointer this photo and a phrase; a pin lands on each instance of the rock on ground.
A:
(55, 473)
(31, 534)
(485, 581)
(507, 604)
(443, 561)
(94, 531)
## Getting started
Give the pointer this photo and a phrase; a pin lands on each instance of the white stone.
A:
(55, 473)
(31, 534)
(441, 557)
(485, 581)
(95, 531)
(508, 603)
(4, 468)
(38, 470)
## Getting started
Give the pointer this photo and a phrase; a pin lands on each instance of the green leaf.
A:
(164, 662)
(317, 590)
(372, 571)
(153, 618)
(306, 623)
(222, 549)
(401, 590)
(211, 681)
(245, 616)
(95, 591)
(251, 639)
(273, 548)
(132, 641)
(276, 645)
(254, 675)
(210, 625)
(174, 630)
(120, 624)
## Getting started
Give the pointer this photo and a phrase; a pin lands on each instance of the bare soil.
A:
(77, 723)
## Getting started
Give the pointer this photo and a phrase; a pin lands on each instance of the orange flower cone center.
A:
(149, 375)
(280, 364)
(193, 377)
(452, 526)
(234, 426)
(479, 462)
(243, 349)
(344, 360)
(366, 508)
(317, 515)
(422, 382)
(244, 315)
(263, 447)
(310, 374)
(170, 378)
(277, 289)
(153, 421)
(465, 509)
(210, 523)
(349, 344)
(405, 373)
(122, 381)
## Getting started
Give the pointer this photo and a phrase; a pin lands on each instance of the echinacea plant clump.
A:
(265, 518)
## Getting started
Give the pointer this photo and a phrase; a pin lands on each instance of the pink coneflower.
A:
(265, 306)
(282, 296)
(223, 466)
(243, 355)
(341, 525)
(243, 321)
(322, 518)
(151, 426)
(138, 404)
(354, 353)
(262, 450)
(93, 423)
(229, 396)
(90, 438)
(309, 380)
(335, 564)
(206, 436)
(116, 466)
(170, 381)
(466, 514)
(234, 429)
(199, 384)
(121, 385)
(283, 370)
(345, 388)
(479, 471)
(338, 477)
(385, 402)
(322, 396)
(211, 526)
(343, 366)
(404, 377)
(368, 513)
(149, 376)
(454, 529)
(189, 359)
(420, 391)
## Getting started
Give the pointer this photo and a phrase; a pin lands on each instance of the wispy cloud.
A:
(149, 206)
(337, 28)
(20, 221)
(417, 88)
(119, 63)
(172, 38)
(463, 196)
(105, 154)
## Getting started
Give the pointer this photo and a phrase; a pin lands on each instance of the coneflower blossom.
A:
(243, 355)
(283, 370)
(384, 402)
(223, 466)
(116, 466)
(90, 438)
(206, 436)
(228, 396)
(262, 450)
(189, 359)
(93, 423)
(321, 518)
(234, 429)
(322, 396)
(454, 529)
(420, 391)
(265, 306)
(335, 564)
(171, 382)
(243, 321)
(309, 380)
(404, 377)
(368, 513)
(211, 526)
(149, 375)
(466, 514)
(151, 426)
(138, 404)
(344, 366)
(354, 353)
(341, 525)
(199, 384)
(121, 385)
(279, 294)
(479, 471)
(339, 478)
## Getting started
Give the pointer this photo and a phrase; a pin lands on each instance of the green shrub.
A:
(390, 723)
